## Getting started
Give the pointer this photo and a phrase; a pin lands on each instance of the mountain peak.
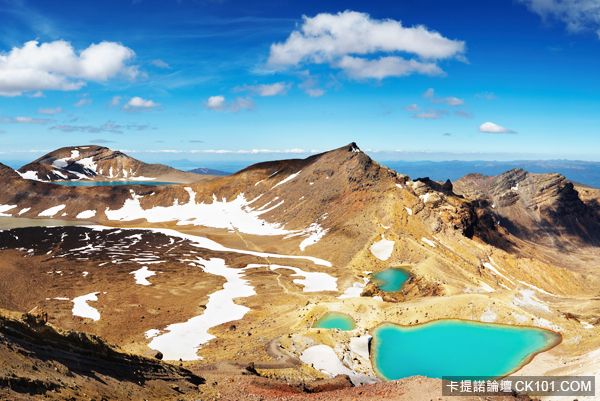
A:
(94, 162)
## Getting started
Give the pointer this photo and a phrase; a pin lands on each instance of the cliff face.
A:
(543, 207)
(98, 163)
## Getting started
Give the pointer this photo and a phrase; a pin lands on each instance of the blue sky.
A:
(240, 80)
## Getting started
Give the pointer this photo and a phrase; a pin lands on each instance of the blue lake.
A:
(455, 348)
(109, 183)
(335, 320)
(391, 280)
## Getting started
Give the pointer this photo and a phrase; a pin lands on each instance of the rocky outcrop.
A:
(534, 206)
(37, 359)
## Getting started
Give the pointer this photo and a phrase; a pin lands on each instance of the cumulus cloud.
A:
(577, 15)
(58, 66)
(219, 103)
(215, 102)
(274, 89)
(383, 67)
(364, 47)
(493, 128)
(50, 111)
(139, 103)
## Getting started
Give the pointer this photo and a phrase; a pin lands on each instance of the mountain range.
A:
(228, 274)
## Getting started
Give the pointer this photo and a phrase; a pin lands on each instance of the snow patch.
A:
(51, 211)
(182, 340)
(382, 249)
(234, 215)
(6, 208)
(287, 179)
(82, 309)
(142, 274)
(86, 214)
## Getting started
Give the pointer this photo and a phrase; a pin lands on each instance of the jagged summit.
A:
(93, 162)
(534, 205)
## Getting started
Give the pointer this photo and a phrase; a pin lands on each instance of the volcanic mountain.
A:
(99, 163)
(545, 208)
(238, 268)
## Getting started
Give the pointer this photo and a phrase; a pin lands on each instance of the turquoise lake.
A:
(391, 280)
(109, 183)
(455, 348)
(335, 320)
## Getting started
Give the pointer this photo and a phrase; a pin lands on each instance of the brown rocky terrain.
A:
(40, 361)
(100, 163)
(353, 214)
(542, 207)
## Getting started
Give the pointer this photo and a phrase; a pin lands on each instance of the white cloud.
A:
(139, 103)
(215, 102)
(343, 40)
(219, 103)
(390, 66)
(493, 128)
(277, 88)
(50, 111)
(412, 107)
(450, 101)
(160, 64)
(57, 66)
(577, 15)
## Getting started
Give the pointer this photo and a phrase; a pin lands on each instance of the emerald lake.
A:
(455, 348)
(391, 280)
(335, 320)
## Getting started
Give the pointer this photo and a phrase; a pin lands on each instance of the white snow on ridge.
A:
(314, 232)
(355, 290)
(382, 249)
(51, 211)
(182, 340)
(202, 242)
(311, 281)
(86, 214)
(24, 210)
(287, 179)
(6, 208)
(141, 275)
(234, 215)
(30, 175)
(82, 309)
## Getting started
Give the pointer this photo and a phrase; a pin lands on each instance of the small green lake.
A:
(391, 280)
(335, 320)
(109, 183)
(455, 348)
